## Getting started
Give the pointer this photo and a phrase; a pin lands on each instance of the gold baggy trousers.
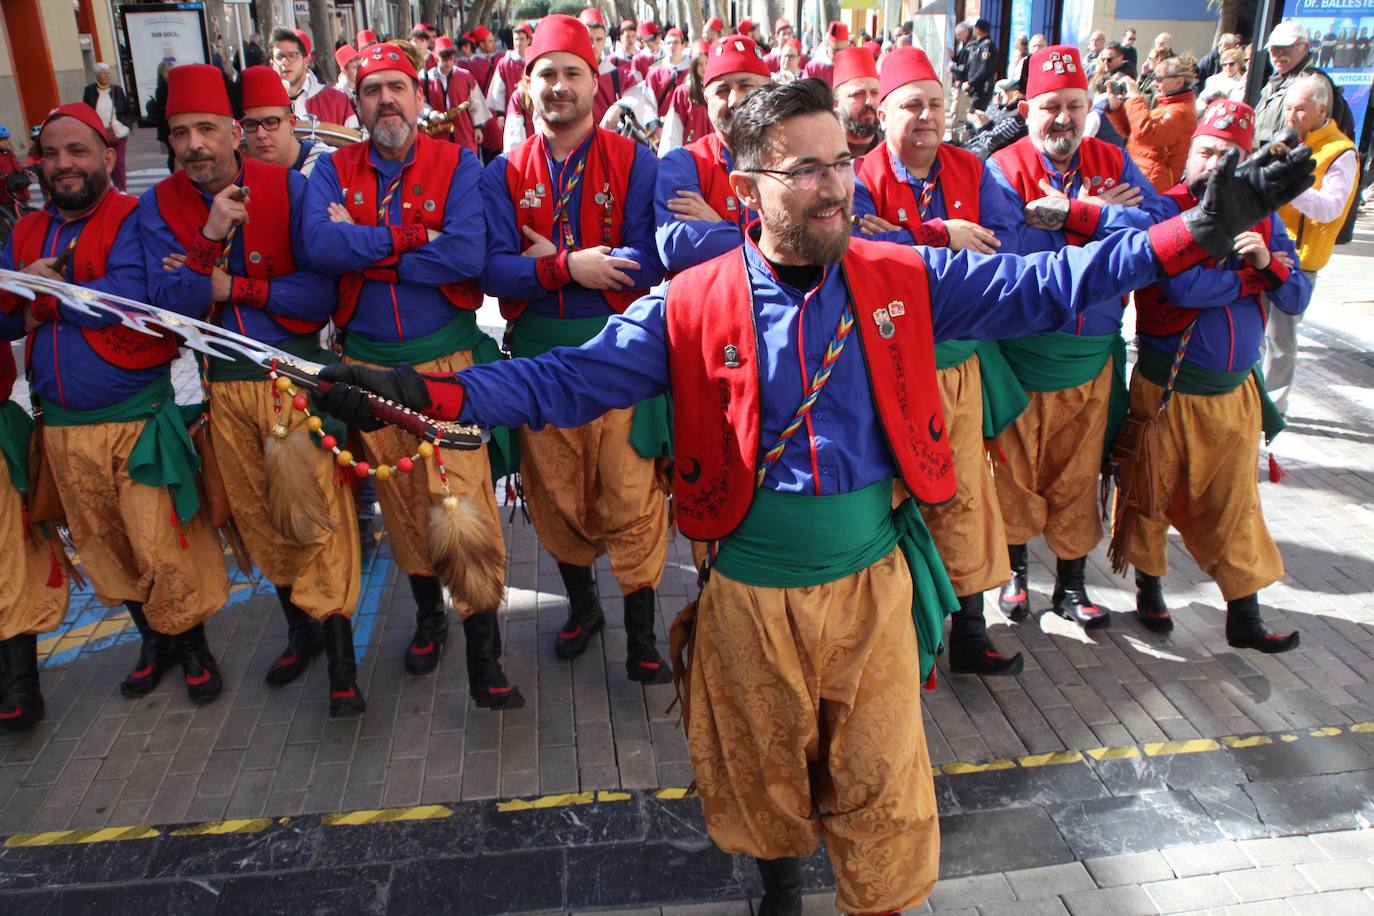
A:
(28, 605)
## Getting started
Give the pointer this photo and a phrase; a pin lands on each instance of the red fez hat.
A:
(386, 56)
(365, 38)
(734, 54)
(197, 87)
(902, 66)
(674, 32)
(780, 24)
(715, 23)
(344, 54)
(793, 43)
(1230, 121)
(444, 43)
(425, 26)
(853, 64)
(872, 47)
(524, 27)
(262, 88)
(701, 46)
(647, 29)
(839, 31)
(745, 26)
(481, 33)
(562, 33)
(304, 40)
(1054, 67)
(83, 113)
(627, 24)
(591, 16)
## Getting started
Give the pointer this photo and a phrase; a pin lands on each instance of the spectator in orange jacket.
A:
(1157, 138)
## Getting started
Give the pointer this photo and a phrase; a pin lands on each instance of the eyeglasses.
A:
(251, 126)
(286, 56)
(1231, 63)
(809, 177)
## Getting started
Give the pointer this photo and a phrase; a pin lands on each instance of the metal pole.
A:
(1254, 80)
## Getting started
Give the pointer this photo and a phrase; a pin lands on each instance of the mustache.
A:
(824, 205)
(197, 157)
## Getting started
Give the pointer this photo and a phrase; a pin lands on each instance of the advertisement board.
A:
(158, 33)
(1341, 35)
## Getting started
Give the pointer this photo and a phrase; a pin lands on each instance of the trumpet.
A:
(444, 121)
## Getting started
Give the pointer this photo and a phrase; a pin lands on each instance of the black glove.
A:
(347, 399)
(1241, 194)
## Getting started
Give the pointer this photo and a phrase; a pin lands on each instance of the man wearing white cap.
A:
(1292, 56)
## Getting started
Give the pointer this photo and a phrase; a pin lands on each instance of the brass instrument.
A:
(444, 122)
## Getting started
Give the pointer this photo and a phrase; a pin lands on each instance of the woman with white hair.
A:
(110, 102)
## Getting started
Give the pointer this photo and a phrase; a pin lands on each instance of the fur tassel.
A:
(466, 552)
(296, 504)
(1276, 471)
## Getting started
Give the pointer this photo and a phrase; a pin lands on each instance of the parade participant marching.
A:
(121, 460)
(686, 118)
(1075, 377)
(309, 97)
(1207, 325)
(836, 40)
(669, 73)
(408, 239)
(224, 232)
(269, 124)
(856, 100)
(696, 212)
(482, 63)
(346, 57)
(803, 684)
(506, 78)
(618, 83)
(570, 243)
(447, 88)
(649, 47)
(909, 191)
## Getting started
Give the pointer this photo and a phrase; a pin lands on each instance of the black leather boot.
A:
(157, 654)
(304, 640)
(1245, 629)
(21, 703)
(345, 697)
(1149, 603)
(1071, 599)
(970, 650)
(585, 618)
(642, 661)
(431, 625)
(486, 681)
(203, 682)
(782, 886)
(1014, 599)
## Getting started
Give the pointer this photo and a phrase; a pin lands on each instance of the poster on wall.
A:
(1341, 35)
(161, 33)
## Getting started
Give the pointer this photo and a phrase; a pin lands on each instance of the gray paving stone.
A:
(1207, 859)
(1347, 844)
(1049, 880)
(1051, 906)
(1133, 868)
(1340, 875)
(1289, 850)
(972, 891)
(1110, 901)
(1193, 893)
(1335, 903)
(1270, 882)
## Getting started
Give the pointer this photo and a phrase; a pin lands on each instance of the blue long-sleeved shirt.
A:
(66, 370)
(972, 296)
(511, 275)
(1230, 327)
(414, 306)
(685, 243)
(998, 210)
(303, 294)
(1103, 317)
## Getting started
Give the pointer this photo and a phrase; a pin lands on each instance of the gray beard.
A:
(1062, 146)
(388, 137)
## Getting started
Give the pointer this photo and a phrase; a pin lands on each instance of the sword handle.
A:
(418, 425)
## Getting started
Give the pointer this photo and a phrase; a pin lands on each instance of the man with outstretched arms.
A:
(917, 189)
(802, 370)
(399, 219)
(1200, 335)
(115, 442)
(226, 232)
(569, 244)
(1075, 376)
(697, 213)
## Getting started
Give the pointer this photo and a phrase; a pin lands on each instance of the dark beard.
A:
(857, 128)
(92, 187)
(793, 236)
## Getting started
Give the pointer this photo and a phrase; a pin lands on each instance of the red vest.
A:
(424, 195)
(716, 414)
(696, 122)
(330, 105)
(266, 237)
(609, 160)
(1099, 162)
(1154, 313)
(959, 177)
(610, 86)
(511, 72)
(116, 344)
(460, 83)
(709, 155)
(662, 81)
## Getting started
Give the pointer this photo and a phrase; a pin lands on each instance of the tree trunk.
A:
(266, 20)
(431, 12)
(477, 15)
(323, 40)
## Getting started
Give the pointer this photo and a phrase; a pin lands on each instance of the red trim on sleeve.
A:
(552, 270)
(1276, 273)
(45, 308)
(408, 238)
(445, 396)
(932, 232)
(381, 274)
(203, 254)
(1252, 282)
(1174, 246)
(249, 292)
(1083, 218)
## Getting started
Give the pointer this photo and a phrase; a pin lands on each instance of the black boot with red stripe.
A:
(304, 640)
(1245, 629)
(431, 625)
(642, 661)
(1149, 603)
(203, 682)
(345, 697)
(486, 681)
(1014, 599)
(782, 886)
(1071, 599)
(157, 653)
(970, 650)
(585, 618)
(21, 703)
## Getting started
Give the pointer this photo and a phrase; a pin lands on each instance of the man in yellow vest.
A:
(1314, 218)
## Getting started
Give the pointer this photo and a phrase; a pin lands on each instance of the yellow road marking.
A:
(72, 837)
(1053, 759)
(1121, 752)
(1190, 746)
(1329, 731)
(1288, 739)
(218, 828)
(670, 794)
(387, 815)
(1362, 728)
(563, 800)
(959, 767)
(1252, 741)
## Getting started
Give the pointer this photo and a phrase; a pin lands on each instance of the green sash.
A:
(651, 430)
(16, 427)
(306, 346)
(1055, 362)
(790, 540)
(163, 454)
(1003, 396)
(1197, 380)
